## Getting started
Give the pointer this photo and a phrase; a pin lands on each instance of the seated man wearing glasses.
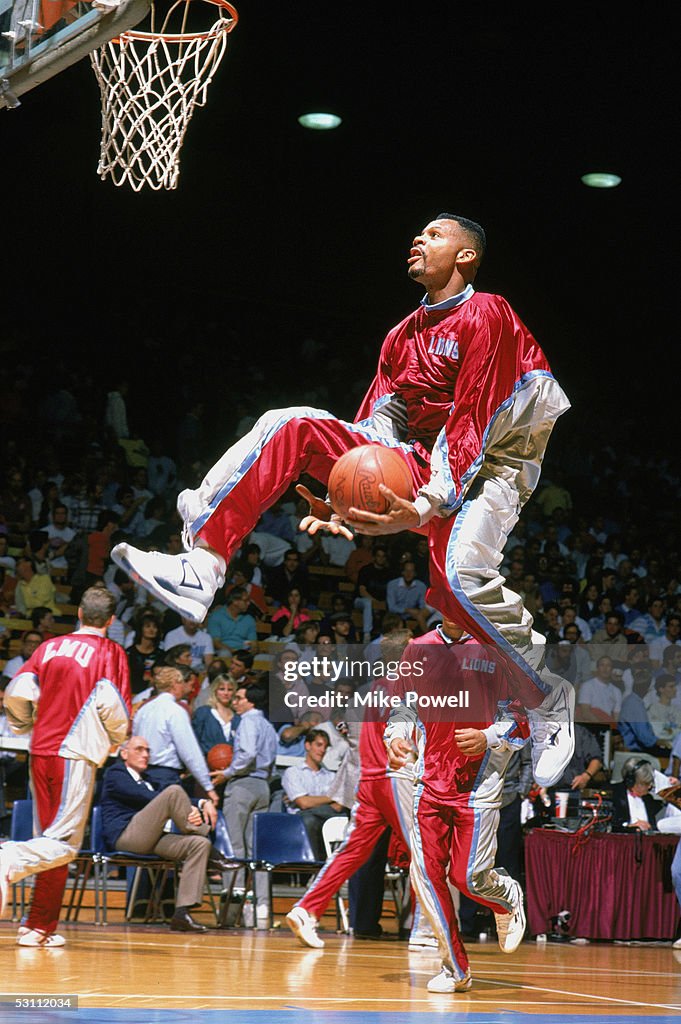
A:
(134, 817)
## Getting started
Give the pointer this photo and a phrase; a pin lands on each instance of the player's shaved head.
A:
(474, 231)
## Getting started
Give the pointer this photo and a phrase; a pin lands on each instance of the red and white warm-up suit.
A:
(380, 802)
(465, 394)
(74, 692)
(456, 798)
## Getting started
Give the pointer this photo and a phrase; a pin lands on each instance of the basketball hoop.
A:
(150, 83)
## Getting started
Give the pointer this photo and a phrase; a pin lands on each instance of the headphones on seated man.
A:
(629, 777)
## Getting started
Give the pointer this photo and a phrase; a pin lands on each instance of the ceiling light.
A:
(320, 122)
(601, 179)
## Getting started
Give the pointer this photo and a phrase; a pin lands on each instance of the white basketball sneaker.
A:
(552, 733)
(187, 583)
(304, 927)
(34, 937)
(511, 927)
(446, 982)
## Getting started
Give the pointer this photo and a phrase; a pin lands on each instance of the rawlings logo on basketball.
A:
(355, 479)
(370, 498)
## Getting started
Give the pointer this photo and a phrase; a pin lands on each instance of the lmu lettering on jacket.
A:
(68, 649)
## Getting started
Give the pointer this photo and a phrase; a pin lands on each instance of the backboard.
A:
(40, 38)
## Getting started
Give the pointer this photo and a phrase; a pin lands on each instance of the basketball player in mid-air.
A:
(466, 395)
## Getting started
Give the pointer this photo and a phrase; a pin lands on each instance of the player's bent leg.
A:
(466, 553)
(365, 827)
(282, 446)
(474, 847)
(63, 793)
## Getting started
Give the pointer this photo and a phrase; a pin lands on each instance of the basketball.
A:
(354, 480)
(220, 756)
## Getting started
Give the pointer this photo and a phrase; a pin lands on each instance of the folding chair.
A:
(223, 844)
(157, 869)
(280, 843)
(333, 834)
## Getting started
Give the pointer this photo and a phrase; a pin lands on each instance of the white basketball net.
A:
(150, 84)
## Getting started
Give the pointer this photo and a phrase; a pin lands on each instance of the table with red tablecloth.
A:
(615, 886)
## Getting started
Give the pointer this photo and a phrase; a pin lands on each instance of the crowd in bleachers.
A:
(603, 585)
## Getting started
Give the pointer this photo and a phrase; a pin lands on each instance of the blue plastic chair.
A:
(157, 868)
(281, 843)
(223, 844)
(20, 829)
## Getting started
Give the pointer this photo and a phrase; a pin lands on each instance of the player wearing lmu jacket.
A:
(459, 723)
(74, 694)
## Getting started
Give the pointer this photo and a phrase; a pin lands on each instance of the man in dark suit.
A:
(134, 814)
(633, 806)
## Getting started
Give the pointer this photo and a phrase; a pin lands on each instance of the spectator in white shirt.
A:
(306, 789)
(672, 635)
(599, 700)
(199, 640)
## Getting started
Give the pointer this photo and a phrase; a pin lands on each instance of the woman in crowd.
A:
(145, 651)
(214, 722)
(287, 619)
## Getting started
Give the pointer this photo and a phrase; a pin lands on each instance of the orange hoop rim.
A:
(186, 37)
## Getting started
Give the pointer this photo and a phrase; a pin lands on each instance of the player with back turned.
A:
(466, 395)
(74, 694)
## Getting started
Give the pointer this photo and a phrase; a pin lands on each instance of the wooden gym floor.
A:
(139, 974)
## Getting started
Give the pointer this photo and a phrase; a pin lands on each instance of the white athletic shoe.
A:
(677, 944)
(33, 937)
(511, 927)
(304, 927)
(552, 733)
(419, 942)
(187, 583)
(446, 982)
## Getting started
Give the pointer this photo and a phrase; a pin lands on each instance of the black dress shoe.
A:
(218, 863)
(186, 923)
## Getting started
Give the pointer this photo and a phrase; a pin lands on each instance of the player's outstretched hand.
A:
(321, 517)
(401, 515)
